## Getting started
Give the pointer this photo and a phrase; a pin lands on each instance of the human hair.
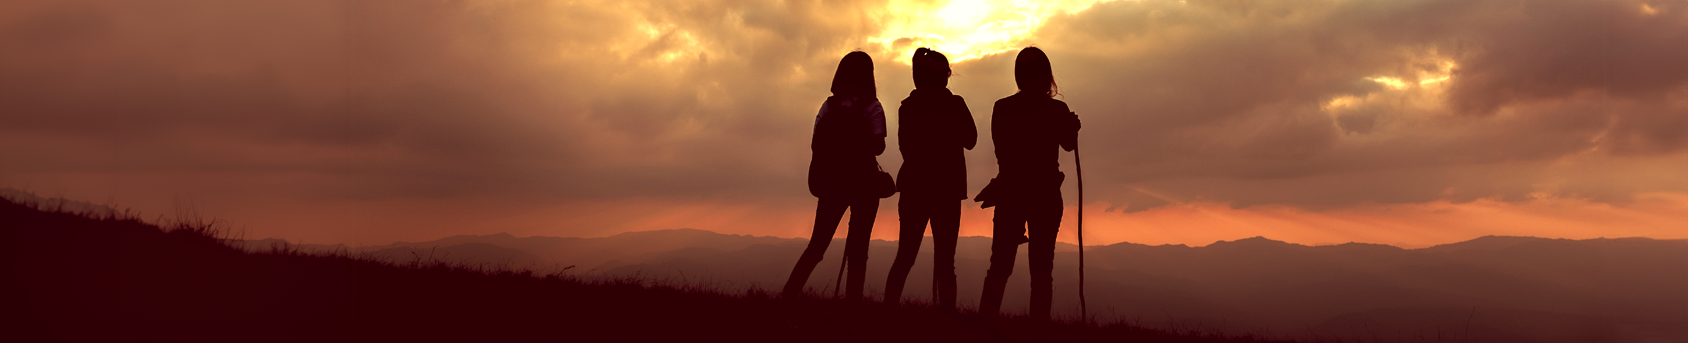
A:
(854, 76)
(1032, 72)
(931, 69)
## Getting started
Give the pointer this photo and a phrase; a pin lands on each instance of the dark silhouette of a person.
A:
(1027, 128)
(934, 127)
(849, 132)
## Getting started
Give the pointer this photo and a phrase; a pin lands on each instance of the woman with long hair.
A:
(934, 127)
(849, 132)
(1028, 129)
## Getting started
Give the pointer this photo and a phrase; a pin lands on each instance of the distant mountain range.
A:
(1521, 289)
(57, 204)
(1499, 289)
(83, 278)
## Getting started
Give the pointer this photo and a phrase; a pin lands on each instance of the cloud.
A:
(1340, 102)
(594, 99)
(266, 108)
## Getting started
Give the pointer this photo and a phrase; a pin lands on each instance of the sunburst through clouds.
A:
(967, 29)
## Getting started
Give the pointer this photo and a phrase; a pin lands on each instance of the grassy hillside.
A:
(78, 277)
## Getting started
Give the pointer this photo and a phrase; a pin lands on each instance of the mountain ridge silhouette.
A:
(1499, 288)
(1253, 284)
(85, 277)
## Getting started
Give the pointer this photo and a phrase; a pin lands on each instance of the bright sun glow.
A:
(968, 29)
(1390, 82)
(1421, 92)
(1425, 78)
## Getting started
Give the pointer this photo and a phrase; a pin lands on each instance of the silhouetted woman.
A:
(934, 126)
(849, 132)
(1027, 129)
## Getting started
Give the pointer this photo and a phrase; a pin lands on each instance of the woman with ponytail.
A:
(934, 129)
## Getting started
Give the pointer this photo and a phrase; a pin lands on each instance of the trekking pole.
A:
(1079, 169)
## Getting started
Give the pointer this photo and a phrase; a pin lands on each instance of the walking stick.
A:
(1079, 169)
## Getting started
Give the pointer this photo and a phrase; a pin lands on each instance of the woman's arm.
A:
(876, 122)
(1067, 128)
(815, 129)
(997, 130)
(968, 132)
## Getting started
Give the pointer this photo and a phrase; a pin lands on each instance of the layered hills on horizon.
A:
(85, 277)
(1524, 288)
(1517, 289)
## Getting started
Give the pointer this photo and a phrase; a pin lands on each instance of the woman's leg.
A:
(946, 225)
(912, 213)
(827, 214)
(1040, 254)
(862, 213)
(1006, 229)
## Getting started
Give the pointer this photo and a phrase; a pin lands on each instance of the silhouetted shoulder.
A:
(1032, 104)
(868, 108)
(1059, 106)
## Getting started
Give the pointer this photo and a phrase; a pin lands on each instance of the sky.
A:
(1404, 122)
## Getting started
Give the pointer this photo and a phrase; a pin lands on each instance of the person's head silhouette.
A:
(1032, 73)
(854, 77)
(931, 69)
